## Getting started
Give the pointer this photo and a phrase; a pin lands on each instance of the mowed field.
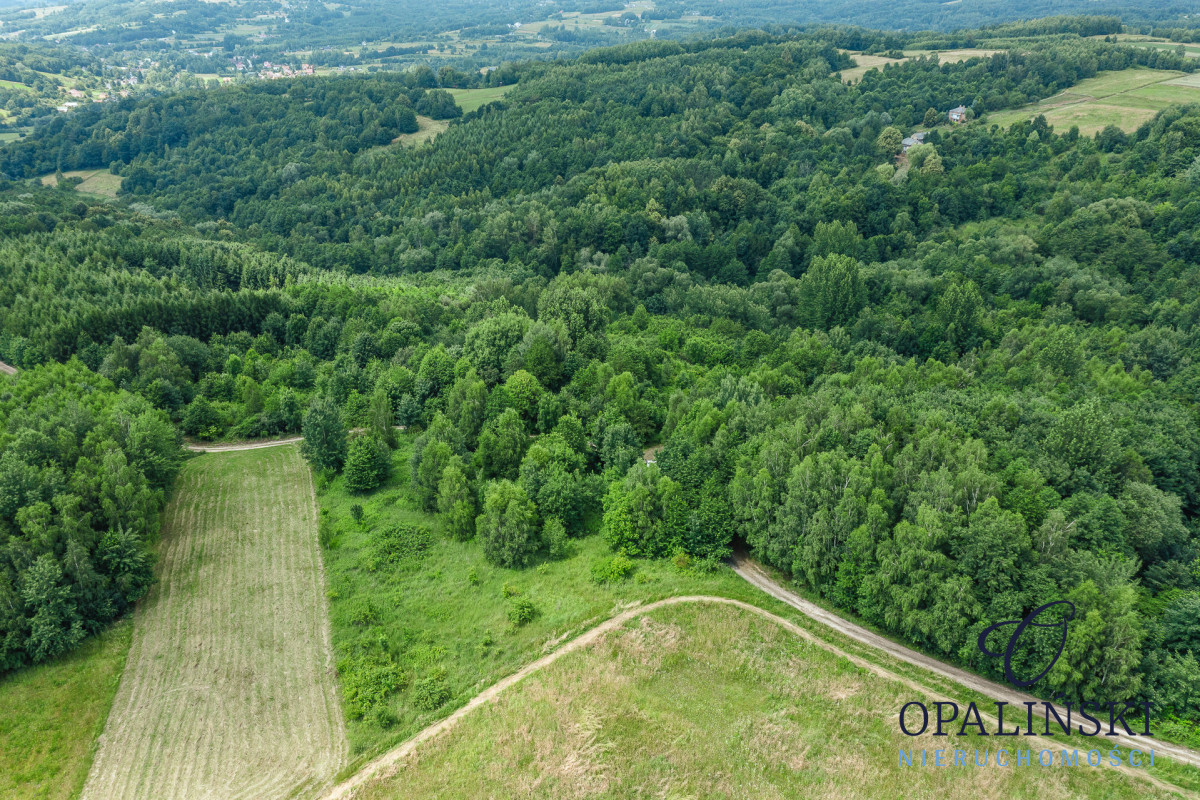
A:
(95, 181)
(229, 686)
(701, 700)
(1125, 98)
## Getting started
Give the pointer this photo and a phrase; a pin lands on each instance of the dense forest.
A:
(122, 25)
(938, 388)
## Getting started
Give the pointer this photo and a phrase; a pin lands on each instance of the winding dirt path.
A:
(6, 369)
(382, 766)
(386, 765)
(754, 574)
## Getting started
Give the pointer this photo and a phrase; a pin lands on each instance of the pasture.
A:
(1124, 98)
(228, 689)
(705, 701)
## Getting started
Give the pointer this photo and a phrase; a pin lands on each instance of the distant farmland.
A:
(1124, 98)
(229, 687)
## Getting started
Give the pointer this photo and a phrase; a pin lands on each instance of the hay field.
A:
(229, 687)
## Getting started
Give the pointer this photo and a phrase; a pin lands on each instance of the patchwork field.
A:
(703, 701)
(1125, 98)
(228, 689)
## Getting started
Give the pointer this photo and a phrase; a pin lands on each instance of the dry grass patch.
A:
(229, 687)
(738, 706)
(427, 129)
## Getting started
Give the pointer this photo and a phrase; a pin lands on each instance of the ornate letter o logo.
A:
(1068, 615)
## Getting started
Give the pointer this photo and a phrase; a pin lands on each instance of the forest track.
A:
(238, 446)
(386, 765)
(754, 574)
(6, 369)
(234, 447)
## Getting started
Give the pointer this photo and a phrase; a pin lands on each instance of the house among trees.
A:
(958, 114)
(911, 141)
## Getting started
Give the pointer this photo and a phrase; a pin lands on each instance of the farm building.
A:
(912, 141)
(958, 114)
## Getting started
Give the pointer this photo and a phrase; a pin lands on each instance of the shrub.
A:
(431, 692)
(367, 680)
(507, 526)
(681, 560)
(554, 534)
(363, 613)
(473, 576)
(509, 591)
(521, 611)
(326, 534)
(356, 511)
(612, 570)
(399, 546)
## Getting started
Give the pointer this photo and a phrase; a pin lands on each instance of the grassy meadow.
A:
(706, 701)
(472, 99)
(51, 714)
(96, 182)
(441, 614)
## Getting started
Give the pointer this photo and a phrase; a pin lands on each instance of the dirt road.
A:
(256, 445)
(230, 448)
(381, 766)
(753, 573)
(5, 369)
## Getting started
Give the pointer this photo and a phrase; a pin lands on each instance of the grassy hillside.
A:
(50, 715)
(704, 701)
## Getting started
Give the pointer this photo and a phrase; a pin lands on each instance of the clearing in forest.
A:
(427, 129)
(707, 700)
(866, 63)
(229, 687)
(95, 181)
(472, 99)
